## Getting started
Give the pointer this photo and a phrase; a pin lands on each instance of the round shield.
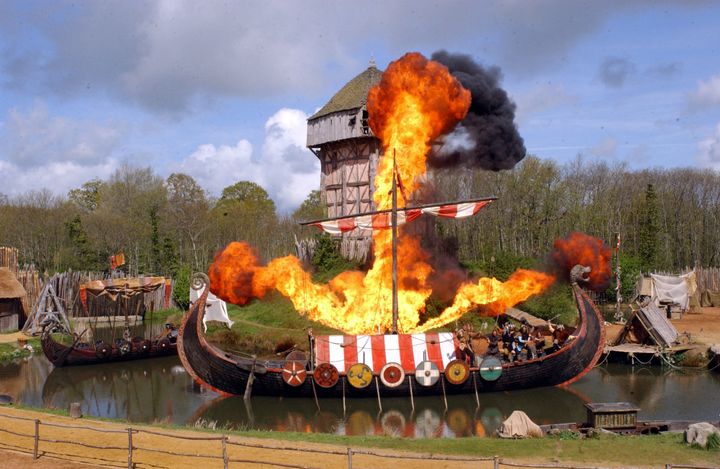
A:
(359, 375)
(427, 373)
(457, 372)
(326, 375)
(392, 375)
(294, 373)
(490, 368)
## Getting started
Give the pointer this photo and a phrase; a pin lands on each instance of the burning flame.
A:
(416, 101)
(579, 248)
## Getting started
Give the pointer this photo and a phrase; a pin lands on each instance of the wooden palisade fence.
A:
(113, 443)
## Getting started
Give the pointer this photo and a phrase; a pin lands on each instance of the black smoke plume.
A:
(488, 137)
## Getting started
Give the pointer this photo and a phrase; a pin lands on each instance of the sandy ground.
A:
(18, 460)
(12, 338)
(282, 452)
(701, 327)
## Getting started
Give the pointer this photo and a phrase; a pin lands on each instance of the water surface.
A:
(159, 390)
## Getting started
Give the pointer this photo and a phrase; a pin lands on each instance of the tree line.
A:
(161, 225)
(667, 218)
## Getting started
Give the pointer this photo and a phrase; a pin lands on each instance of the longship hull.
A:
(63, 355)
(228, 374)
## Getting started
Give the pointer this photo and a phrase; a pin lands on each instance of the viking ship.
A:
(125, 348)
(390, 365)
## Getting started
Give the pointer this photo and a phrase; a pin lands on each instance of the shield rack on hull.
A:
(425, 368)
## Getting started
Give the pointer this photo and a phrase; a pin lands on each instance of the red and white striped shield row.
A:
(409, 350)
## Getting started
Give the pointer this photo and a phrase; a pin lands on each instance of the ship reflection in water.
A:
(159, 390)
(429, 419)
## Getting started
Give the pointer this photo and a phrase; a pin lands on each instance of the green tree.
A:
(649, 228)
(181, 289)
(312, 208)
(188, 204)
(82, 255)
(245, 212)
(248, 195)
(87, 197)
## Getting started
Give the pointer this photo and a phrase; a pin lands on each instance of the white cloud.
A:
(284, 167)
(707, 94)
(35, 138)
(43, 151)
(57, 177)
(218, 167)
(167, 54)
(710, 150)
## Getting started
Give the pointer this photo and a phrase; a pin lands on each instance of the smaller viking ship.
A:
(77, 351)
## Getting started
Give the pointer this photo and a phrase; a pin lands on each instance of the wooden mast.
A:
(393, 219)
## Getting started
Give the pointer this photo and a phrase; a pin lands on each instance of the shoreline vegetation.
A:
(565, 448)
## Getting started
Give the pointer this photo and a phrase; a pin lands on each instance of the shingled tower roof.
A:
(353, 95)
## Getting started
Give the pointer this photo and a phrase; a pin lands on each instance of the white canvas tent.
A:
(215, 308)
(669, 289)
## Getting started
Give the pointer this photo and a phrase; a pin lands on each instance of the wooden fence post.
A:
(349, 456)
(496, 462)
(37, 439)
(130, 448)
(226, 461)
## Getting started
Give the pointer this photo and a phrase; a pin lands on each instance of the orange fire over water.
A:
(416, 101)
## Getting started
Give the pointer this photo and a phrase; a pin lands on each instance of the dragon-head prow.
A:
(579, 273)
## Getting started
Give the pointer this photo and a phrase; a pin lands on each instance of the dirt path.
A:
(18, 460)
(703, 327)
(194, 446)
(12, 338)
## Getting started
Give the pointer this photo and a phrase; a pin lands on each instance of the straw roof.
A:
(10, 288)
(353, 95)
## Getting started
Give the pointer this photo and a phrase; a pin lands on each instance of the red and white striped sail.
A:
(382, 220)
(367, 222)
(375, 351)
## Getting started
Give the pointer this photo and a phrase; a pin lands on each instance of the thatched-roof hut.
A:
(12, 314)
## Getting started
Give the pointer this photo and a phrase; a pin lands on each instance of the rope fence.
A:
(222, 455)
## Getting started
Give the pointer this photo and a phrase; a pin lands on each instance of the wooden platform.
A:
(645, 349)
(519, 315)
(107, 321)
(632, 348)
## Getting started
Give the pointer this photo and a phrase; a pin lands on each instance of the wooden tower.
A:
(339, 135)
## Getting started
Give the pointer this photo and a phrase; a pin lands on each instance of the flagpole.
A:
(393, 220)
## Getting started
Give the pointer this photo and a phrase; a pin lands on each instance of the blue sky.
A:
(221, 90)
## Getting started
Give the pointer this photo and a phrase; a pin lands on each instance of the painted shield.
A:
(457, 372)
(294, 372)
(360, 375)
(392, 375)
(490, 369)
(326, 375)
(427, 373)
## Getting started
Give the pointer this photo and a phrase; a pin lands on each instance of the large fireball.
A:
(416, 102)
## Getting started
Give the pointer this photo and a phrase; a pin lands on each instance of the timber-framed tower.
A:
(340, 136)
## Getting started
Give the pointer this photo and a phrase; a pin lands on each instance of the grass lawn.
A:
(656, 450)
(263, 324)
(10, 351)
